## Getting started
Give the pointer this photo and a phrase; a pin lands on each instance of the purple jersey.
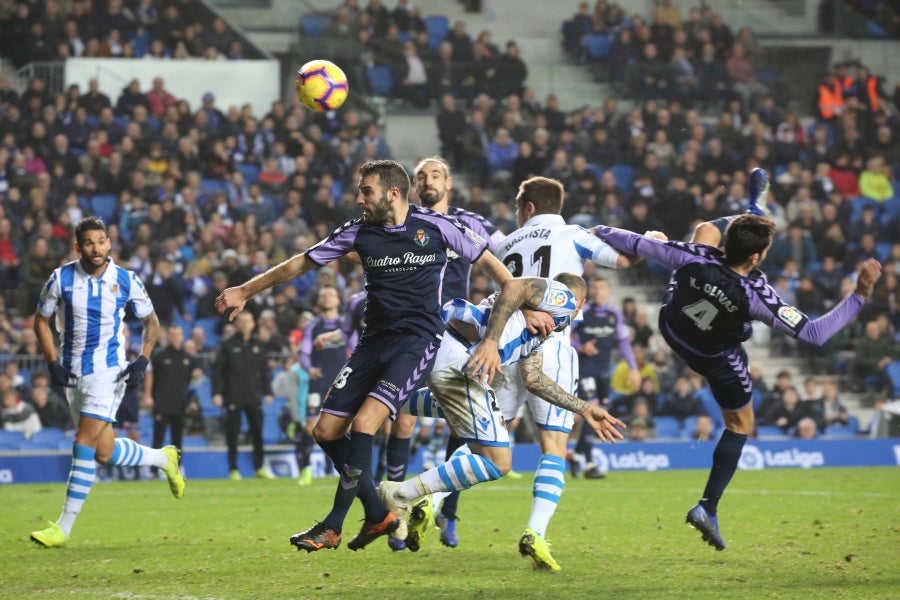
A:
(605, 325)
(456, 278)
(709, 308)
(404, 266)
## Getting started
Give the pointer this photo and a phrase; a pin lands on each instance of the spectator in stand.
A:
(9, 257)
(834, 411)
(621, 381)
(17, 415)
(874, 352)
(52, 410)
(787, 412)
(830, 100)
(875, 181)
(793, 244)
(865, 250)
(806, 429)
(501, 156)
(510, 72)
(681, 402)
(159, 99)
(94, 101)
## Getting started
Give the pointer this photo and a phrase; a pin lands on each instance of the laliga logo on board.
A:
(639, 460)
(752, 458)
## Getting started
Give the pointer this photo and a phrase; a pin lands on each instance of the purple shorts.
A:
(388, 365)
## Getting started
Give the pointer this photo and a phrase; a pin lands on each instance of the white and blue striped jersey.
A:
(546, 246)
(516, 342)
(90, 314)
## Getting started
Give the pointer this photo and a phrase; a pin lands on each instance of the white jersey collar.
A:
(544, 219)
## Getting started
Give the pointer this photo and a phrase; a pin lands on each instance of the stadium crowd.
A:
(199, 198)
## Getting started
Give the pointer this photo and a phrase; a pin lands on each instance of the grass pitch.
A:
(823, 533)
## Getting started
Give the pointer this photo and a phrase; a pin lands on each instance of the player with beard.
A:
(434, 186)
(88, 297)
(403, 250)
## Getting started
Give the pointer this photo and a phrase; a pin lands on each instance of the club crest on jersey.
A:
(789, 315)
(114, 288)
(421, 238)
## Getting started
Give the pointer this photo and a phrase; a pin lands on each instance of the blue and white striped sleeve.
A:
(49, 297)
(138, 297)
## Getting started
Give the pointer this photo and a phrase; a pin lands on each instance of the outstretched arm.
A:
(538, 383)
(791, 321)
(235, 297)
(651, 245)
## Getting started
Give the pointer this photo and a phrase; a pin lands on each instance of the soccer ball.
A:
(321, 86)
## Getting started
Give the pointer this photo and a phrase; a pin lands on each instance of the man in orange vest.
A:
(830, 101)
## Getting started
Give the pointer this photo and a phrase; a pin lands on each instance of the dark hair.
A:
(574, 282)
(390, 173)
(546, 194)
(88, 224)
(747, 235)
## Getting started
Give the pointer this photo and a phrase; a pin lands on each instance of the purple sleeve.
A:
(624, 339)
(482, 227)
(336, 245)
(670, 254)
(459, 238)
(787, 319)
(306, 346)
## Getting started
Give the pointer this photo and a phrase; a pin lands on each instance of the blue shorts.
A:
(725, 373)
(388, 365)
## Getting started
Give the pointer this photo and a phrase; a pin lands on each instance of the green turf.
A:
(823, 533)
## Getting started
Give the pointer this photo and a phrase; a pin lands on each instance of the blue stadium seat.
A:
(596, 46)
(597, 170)
(890, 209)
(667, 427)
(11, 440)
(437, 25)
(624, 176)
(30, 445)
(250, 172)
(769, 431)
(274, 408)
(210, 326)
(194, 441)
(688, 427)
(857, 204)
(710, 406)
(271, 430)
(381, 80)
(313, 25)
(53, 435)
(146, 421)
(105, 206)
(850, 429)
(210, 186)
(874, 30)
(893, 373)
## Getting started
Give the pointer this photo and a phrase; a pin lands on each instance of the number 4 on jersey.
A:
(701, 313)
